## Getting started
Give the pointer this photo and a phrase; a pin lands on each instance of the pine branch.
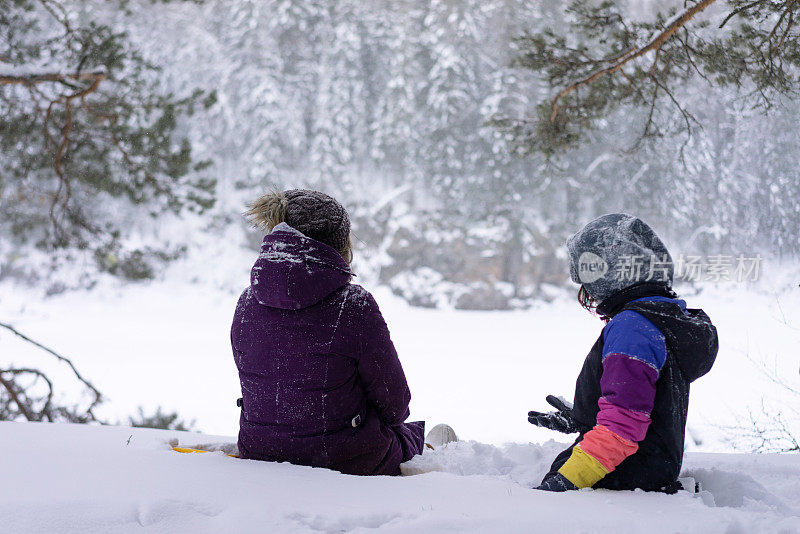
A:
(61, 148)
(33, 79)
(655, 44)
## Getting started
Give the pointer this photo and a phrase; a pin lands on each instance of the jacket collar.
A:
(616, 302)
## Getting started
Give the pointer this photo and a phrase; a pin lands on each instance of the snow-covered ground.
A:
(87, 479)
(167, 343)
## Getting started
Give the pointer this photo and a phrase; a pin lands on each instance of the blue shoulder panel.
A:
(629, 333)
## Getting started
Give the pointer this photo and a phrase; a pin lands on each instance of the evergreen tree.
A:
(162, 420)
(363, 98)
(603, 59)
(398, 139)
(86, 133)
(339, 126)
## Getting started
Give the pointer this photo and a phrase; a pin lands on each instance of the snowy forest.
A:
(468, 140)
(401, 109)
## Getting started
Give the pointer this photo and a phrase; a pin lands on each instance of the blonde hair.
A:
(269, 210)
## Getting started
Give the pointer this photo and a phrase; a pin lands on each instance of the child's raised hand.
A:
(560, 420)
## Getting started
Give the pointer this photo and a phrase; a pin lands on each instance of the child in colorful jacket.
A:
(632, 395)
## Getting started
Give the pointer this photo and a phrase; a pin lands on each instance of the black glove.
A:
(560, 420)
(557, 482)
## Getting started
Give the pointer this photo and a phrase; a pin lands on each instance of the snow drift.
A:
(71, 478)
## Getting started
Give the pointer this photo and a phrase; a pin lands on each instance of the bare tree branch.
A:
(739, 10)
(22, 400)
(98, 397)
(16, 395)
(52, 7)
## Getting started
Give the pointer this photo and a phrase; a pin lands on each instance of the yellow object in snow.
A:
(186, 450)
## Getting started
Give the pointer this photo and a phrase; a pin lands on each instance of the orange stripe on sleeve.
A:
(607, 447)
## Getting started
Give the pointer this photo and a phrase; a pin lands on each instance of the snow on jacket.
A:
(321, 381)
(633, 395)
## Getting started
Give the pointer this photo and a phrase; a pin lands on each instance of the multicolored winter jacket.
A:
(632, 395)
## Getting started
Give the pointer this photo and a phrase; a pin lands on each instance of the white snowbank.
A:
(70, 478)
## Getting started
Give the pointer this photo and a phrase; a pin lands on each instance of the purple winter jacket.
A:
(321, 381)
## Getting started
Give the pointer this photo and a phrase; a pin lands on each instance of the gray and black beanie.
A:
(615, 252)
(318, 216)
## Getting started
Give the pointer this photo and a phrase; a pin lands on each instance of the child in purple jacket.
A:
(321, 381)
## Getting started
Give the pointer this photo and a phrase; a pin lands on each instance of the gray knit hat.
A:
(318, 216)
(616, 251)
